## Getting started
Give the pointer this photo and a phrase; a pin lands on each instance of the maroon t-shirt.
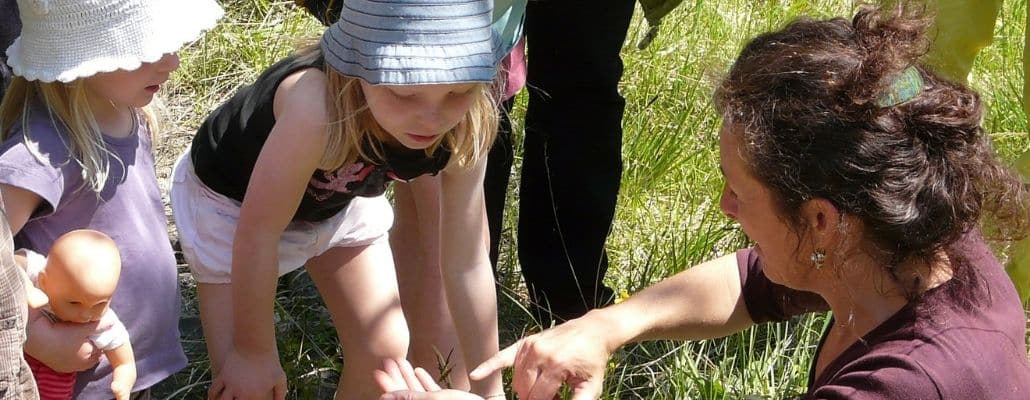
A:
(952, 354)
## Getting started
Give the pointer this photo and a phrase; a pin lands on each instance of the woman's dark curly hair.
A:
(918, 174)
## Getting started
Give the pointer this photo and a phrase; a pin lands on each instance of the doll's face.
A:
(73, 301)
(81, 275)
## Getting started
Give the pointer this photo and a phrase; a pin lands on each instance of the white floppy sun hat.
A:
(411, 42)
(64, 40)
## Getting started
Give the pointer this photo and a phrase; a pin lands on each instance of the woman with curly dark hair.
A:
(868, 186)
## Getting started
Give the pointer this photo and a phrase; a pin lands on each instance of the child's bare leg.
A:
(216, 320)
(359, 286)
(422, 293)
(431, 327)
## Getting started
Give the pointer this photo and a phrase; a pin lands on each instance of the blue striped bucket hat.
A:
(412, 42)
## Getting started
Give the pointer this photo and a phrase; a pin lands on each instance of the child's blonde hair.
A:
(351, 124)
(67, 106)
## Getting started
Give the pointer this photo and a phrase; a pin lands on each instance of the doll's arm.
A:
(123, 363)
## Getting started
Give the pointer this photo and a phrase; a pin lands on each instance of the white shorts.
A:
(207, 222)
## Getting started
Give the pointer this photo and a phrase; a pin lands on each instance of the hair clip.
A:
(905, 87)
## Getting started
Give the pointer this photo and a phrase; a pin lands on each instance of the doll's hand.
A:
(402, 382)
(123, 374)
(121, 389)
(247, 376)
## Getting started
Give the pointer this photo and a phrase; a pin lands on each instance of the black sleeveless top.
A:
(228, 143)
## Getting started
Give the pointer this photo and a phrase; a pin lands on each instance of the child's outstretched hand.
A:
(402, 382)
(247, 376)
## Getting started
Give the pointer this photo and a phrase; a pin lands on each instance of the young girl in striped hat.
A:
(292, 171)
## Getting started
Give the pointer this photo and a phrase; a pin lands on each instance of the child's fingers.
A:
(35, 297)
(427, 380)
(94, 357)
(399, 395)
(393, 376)
(217, 386)
(409, 376)
(386, 382)
(279, 390)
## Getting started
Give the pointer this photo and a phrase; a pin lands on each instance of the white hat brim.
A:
(81, 50)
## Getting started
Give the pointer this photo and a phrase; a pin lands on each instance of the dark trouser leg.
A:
(495, 184)
(572, 161)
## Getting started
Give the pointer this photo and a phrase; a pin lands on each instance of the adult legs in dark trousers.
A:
(572, 159)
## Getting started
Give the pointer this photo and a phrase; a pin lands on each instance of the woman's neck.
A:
(864, 294)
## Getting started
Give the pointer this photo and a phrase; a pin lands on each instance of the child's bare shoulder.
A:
(304, 91)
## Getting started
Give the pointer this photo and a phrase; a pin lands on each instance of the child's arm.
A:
(60, 346)
(123, 363)
(467, 274)
(290, 156)
(415, 242)
(19, 205)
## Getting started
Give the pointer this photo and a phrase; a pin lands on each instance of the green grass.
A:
(667, 219)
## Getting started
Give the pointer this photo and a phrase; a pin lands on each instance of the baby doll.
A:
(79, 276)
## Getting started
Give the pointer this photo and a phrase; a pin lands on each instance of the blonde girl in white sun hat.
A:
(77, 154)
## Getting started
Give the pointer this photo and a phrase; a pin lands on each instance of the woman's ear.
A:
(824, 221)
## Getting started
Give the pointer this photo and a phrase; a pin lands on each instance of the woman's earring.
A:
(818, 258)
